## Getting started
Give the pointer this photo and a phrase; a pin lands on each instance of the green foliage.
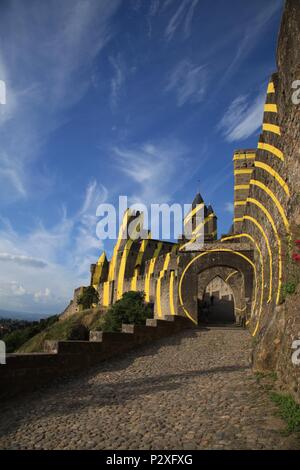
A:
(289, 410)
(89, 297)
(289, 289)
(130, 309)
(17, 338)
(75, 327)
(78, 332)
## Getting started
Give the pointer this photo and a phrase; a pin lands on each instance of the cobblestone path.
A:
(190, 391)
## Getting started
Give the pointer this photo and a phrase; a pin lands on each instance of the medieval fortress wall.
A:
(255, 258)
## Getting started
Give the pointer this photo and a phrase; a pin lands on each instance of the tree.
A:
(130, 309)
(89, 297)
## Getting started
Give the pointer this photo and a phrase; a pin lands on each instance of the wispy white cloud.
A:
(182, 16)
(152, 167)
(22, 260)
(229, 207)
(118, 78)
(250, 35)
(55, 48)
(40, 269)
(243, 118)
(188, 81)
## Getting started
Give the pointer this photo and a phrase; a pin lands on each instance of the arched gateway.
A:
(233, 263)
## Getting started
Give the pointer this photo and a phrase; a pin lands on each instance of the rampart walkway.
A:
(193, 390)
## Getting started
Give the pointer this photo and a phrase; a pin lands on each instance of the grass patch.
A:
(288, 409)
(62, 330)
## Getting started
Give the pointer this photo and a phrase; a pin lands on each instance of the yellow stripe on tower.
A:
(193, 212)
(122, 268)
(270, 219)
(150, 271)
(271, 128)
(139, 262)
(158, 284)
(271, 88)
(171, 293)
(271, 108)
(262, 186)
(196, 231)
(112, 263)
(98, 271)
(240, 187)
(275, 175)
(240, 203)
(106, 294)
(257, 224)
(243, 156)
(270, 148)
(243, 172)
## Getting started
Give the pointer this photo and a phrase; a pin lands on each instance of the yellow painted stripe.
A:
(260, 228)
(193, 212)
(138, 262)
(106, 294)
(241, 187)
(228, 250)
(230, 275)
(271, 108)
(158, 284)
(112, 264)
(262, 186)
(133, 283)
(240, 203)
(196, 231)
(270, 148)
(98, 271)
(150, 271)
(243, 156)
(270, 219)
(271, 128)
(122, 268)
(243, 172)
(171, 293)
(275, 175)
(271, 88)
(240, 309)
(246, 235)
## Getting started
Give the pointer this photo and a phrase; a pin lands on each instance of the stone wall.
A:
(26, 372)
(273, 210)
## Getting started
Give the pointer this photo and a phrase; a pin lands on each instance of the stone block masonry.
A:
(27, 372)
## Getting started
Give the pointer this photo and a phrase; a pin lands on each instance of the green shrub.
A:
(89, 297)
(289, 288)
(289, 410)
(78, 332)
(130, 309)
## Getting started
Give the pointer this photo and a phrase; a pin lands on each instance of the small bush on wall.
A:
(130, 309)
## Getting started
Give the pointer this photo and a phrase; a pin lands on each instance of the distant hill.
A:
(22, 315)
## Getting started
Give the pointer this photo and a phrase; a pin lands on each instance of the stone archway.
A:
(216, 302)
(234, 267)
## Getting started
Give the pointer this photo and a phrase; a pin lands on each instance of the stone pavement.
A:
(194, 390)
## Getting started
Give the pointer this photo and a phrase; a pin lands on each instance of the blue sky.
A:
(144, 98)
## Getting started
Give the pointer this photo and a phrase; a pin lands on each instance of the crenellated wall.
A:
(255, 259)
